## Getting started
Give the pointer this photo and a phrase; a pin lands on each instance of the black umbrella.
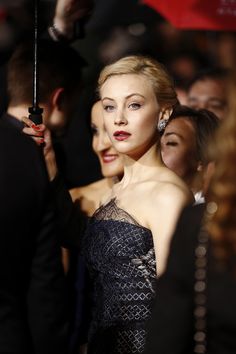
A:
(35, 112)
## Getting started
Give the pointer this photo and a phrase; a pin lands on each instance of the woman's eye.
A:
(108, 108)
(134, 105)
(171, 143)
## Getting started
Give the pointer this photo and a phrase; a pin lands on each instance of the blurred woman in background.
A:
(184, 144)
(195, 308)
(111, 163)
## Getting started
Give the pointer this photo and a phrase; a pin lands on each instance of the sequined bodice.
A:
(120, 258)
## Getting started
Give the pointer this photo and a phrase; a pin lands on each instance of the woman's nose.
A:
(120, 118)
(103, 141)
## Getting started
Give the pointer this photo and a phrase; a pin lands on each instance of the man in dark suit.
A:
(33, 311)
(32, 296)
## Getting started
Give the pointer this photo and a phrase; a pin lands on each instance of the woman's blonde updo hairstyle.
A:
(154, 71)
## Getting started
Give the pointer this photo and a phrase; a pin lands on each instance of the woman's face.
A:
(179, 148)
(130, 114)
(110, 160)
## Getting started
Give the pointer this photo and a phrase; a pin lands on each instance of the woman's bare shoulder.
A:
(88, 191)
(174, 191)
(168, 187)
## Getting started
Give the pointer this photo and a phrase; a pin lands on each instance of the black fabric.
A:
(172, 325)
(120, 258)
(71, 220)
(33, 313)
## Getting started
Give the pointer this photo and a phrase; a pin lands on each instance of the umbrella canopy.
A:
(197, 14)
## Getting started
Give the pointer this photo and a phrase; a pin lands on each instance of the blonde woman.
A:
(127, 240)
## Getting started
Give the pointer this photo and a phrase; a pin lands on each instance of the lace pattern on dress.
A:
(120, 256)
(111, 211)
(145, 263)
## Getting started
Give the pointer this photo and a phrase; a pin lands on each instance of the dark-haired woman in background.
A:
(184, 144)
(195, 307)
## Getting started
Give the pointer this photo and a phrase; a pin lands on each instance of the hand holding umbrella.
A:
(42, 136)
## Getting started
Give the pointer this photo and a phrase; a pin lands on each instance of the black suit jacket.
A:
(32, 293)
(171, 328)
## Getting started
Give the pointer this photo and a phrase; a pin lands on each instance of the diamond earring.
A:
(161, 125)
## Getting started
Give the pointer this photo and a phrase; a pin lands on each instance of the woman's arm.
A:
(169, 201)
(171, 327)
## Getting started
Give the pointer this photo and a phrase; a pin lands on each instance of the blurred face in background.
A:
(179, 148)
(182, 95)
(209, 94)
(110, 160)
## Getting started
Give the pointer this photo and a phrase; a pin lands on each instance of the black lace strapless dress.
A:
(120, 256)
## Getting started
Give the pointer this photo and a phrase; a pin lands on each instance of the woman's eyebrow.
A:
(173, 133)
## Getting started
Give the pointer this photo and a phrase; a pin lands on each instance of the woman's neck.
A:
(143, 168)
(110, 181)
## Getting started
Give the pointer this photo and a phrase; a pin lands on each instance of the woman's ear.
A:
(165, 113)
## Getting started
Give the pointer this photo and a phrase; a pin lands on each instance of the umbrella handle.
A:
(35, 114)
(35, 111)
